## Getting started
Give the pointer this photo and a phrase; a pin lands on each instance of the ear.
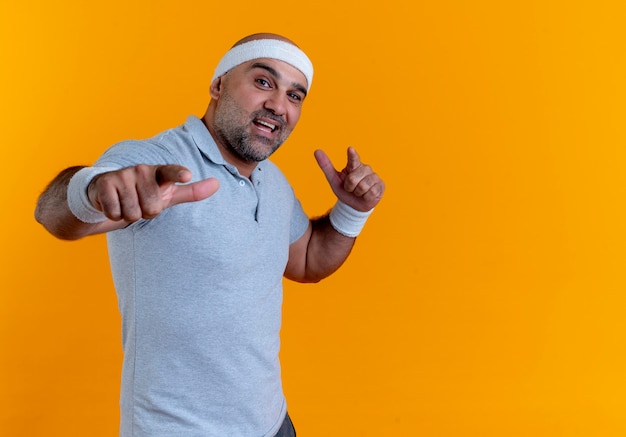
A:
(216, 88)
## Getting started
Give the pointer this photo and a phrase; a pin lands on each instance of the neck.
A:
(244, 167)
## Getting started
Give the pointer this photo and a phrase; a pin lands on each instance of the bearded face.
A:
(251, 136)
(255, 107)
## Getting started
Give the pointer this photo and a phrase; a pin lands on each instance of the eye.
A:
(296, 97)
(262, 82)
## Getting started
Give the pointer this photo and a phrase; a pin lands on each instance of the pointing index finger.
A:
(354, 161)
(172, 173)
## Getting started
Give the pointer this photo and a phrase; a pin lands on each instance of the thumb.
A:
(327, 167)
(194, 192)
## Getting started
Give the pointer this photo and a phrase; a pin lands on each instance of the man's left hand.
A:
(356, 185)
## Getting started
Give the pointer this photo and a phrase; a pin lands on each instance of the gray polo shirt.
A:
(200, 293)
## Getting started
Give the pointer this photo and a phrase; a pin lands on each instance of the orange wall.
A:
(486, 296)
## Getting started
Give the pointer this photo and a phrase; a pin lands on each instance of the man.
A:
(201, 228)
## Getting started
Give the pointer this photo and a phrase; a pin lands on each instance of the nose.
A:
(277, 103)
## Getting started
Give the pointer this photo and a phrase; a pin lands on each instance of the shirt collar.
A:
(205, 142)
(203, 139)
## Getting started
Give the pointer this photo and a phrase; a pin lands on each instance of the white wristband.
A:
(347, 220)
(77, 198)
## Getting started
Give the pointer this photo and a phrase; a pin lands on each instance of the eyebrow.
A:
(271, 70)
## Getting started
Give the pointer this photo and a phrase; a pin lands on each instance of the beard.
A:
(232, 126)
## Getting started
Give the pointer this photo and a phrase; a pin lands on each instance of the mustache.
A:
(269, 115)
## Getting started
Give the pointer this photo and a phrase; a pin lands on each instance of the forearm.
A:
(319, 253)
(53, 212)
(328, 249)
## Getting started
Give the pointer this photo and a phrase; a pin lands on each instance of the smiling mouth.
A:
(266, 126)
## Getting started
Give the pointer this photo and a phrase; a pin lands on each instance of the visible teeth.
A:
(266, 124)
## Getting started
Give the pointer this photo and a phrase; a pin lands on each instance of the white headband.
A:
(266, 48)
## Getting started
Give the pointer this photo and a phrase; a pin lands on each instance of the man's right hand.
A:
(143, 191)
